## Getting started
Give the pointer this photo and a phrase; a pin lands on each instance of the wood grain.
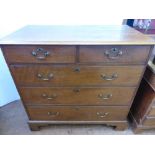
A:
(72, 64)
(23, 54)
(68, 76)
(77, 35)
(77, 95)
(77, 113)
(130, 54)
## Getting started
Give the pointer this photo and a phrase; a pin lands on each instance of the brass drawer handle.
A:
(113, 53)
(53, 96)
(109, 78)
(44, 78)
(105, 97)
(53, 114)
(40, 53)
(102, 114)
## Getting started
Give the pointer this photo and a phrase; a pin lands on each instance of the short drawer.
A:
(49, 75)
(80, 96)
(78, 113)
(114, 54)
(39, 54)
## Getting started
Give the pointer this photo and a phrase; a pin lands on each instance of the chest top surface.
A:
(77, 35)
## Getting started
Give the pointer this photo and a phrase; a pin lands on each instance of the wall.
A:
(8, 92)
(18, 13)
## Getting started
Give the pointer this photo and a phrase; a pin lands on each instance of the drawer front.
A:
(114, 54)
(152, 112)
(72, 75)
(149, 121)
(40, 54)
(80, 96)
(77, 113)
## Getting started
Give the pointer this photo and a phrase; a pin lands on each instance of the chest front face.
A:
(79, 79)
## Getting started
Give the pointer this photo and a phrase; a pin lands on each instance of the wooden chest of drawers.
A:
(143, 109)
(80, 74)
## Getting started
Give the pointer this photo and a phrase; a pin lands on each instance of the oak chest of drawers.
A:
(77, 74)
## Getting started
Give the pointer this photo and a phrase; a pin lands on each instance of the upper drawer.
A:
(70, 75)
(39, 54)
(114, 54)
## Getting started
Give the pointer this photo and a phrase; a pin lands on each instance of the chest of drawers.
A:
(77, 74)
(143, 109)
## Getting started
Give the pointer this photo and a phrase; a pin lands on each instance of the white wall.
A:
(8, 92)
(18, 13)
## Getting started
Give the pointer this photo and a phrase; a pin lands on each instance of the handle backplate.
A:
(49, 97)
(105, 97)
(102, 114)
(53, 114)
(45, 77)
(113, 53)
(40, 53)
(109, 78)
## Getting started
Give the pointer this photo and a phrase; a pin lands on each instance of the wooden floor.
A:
(13, 121)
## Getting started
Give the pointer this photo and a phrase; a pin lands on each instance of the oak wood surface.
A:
(77, 113)
(68, 76)
(23, 54)
(130, 54)
(35, 125)
(77, 95)
(72, 64)
(77, 35)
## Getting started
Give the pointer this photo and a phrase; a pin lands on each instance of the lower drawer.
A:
(78, 113)
(77, 95)
(149, 121)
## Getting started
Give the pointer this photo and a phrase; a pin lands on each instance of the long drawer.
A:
(78, 113)
(76, 95)
(49, 75)
(40, 54)
(114, 54)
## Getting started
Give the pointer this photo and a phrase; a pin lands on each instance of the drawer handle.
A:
(113, 53)
(109, 78)
(54, 114)
(53, 96)
(40, 53)
(105, 97)
(102, 114)
(44, 78)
